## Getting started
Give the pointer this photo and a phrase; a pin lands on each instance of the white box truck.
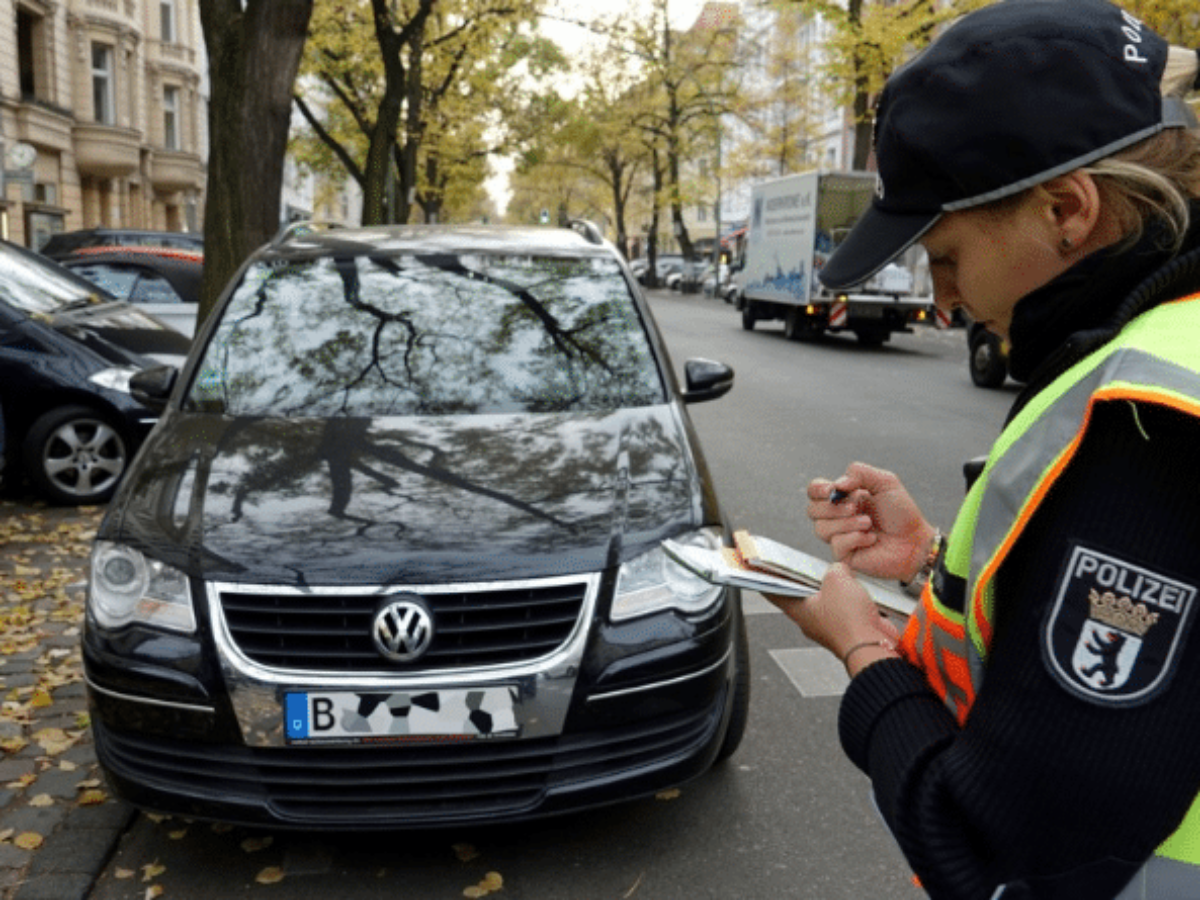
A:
(795, 223)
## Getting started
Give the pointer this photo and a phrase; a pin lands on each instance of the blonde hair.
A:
(1152, 182)
(1157, 179)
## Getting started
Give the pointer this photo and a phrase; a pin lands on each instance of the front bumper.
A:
(616, 712)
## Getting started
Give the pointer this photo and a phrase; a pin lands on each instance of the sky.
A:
(573, 39)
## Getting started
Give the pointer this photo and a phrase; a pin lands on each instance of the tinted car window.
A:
(153, 288)
(428, 335)
(117, 280)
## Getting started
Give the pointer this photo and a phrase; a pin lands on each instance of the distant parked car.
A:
(715, 286)
(67, 353)
(164, 282)
(664, 265)
(68, 242)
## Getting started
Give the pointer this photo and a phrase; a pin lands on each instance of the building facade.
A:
(103, 116)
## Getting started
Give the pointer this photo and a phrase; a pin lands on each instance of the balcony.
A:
(172, 171)
(42, 124)
(106, 151)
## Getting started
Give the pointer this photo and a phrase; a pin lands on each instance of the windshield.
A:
(34, 286)
(427, 335)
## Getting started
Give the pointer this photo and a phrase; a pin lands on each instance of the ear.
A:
(1074, 212)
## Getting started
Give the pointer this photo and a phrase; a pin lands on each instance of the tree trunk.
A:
(254, 50)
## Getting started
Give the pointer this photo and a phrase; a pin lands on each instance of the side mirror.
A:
(152, 387)
(706, 380)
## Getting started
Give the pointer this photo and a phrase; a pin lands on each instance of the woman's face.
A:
(984, 261)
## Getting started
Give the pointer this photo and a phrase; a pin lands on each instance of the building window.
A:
(167, 19)
(102, 84)
(171, 118)
(31, 54)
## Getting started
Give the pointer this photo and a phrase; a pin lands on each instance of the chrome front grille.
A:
(331, 630)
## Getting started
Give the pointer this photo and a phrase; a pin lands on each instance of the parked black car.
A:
(67, 352)
(67, 242)
(392, 559)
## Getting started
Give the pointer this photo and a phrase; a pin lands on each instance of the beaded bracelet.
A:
(914, 587)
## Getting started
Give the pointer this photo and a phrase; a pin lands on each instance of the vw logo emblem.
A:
(403, 628)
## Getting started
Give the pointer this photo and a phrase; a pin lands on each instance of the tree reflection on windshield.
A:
(427, 335)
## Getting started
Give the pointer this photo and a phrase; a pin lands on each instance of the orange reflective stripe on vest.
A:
(934, 641)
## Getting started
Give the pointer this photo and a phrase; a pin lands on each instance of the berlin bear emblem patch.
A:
(1114, 632)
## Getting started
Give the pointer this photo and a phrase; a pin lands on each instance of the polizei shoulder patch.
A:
(1115, 630)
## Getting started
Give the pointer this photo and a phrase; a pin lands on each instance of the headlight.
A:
(653, 582)
(115, 379)
(128, 587)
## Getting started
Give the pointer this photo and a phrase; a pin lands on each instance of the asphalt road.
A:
(788, 816)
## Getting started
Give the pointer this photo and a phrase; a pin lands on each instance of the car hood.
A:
(416, 501)
(121, 333)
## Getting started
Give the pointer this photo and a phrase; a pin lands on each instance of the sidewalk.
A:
(58, 822)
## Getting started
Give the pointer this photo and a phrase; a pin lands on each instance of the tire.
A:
(749, 317)
(798, 327)
(988, 365)
(739, 693)
(872, 337)
(75, 456)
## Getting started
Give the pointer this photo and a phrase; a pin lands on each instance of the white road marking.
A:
(813, 670)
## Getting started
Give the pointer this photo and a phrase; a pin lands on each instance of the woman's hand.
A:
(841, 617)
(877, 529)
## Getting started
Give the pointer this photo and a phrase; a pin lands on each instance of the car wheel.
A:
(799, 327)
(749, 316)
(988, 368)
(739, 693)
(75, 456)
(872, 337)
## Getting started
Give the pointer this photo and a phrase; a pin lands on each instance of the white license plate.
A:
(398, 716)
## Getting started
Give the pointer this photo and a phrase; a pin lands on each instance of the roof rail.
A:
(302, 227)
(587, 229)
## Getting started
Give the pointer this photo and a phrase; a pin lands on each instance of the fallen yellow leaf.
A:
(42, 800)
(270, 875)
(155, 890)
(124, 874)
(150, 871)
(92, 797)
(177, 835)
(29, 840)
(474, 891)
(493, 881)
(254, 844)
(671, 794)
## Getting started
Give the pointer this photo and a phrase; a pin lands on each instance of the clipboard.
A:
(761, 564)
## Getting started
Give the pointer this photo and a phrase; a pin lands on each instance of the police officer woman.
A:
(1033, 732)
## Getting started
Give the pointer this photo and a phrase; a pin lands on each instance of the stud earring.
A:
(1066, 244)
